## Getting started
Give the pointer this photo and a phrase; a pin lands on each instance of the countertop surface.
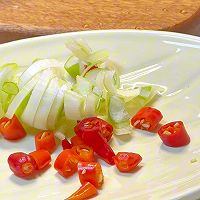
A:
(27, 18)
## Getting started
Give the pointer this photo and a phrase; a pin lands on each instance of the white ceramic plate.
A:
(169, 59)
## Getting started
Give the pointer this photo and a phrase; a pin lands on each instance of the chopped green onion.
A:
(73, 70)
(10, 88)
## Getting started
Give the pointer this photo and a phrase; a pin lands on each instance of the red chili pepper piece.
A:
(42, 158)
(45, 140)
(146, 118)
(66, 163)
(76, 140)
(66, 144)
(86, 191)
(21, 164)
(105, 129)
(127, 161)
(85, 153)
(90, 133)
(90, 172)
(174, 134)
(11, 129)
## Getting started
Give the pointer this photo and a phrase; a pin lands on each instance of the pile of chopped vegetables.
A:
(86, 90)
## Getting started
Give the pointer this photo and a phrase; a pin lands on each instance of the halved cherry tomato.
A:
(21, 164)
(76, 140)
(127, 161)
(42, 158)
(11, 129)
(86, 191)
(90, 172)
(174, 134)
(104, 128)
(45, 140)
(66, 163)
(85, 153)
(90, 131)
(146, 118)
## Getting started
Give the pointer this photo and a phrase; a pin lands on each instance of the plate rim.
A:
(184, 194)
(109, 31)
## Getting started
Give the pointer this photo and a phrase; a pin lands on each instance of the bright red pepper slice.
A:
(105, 129)
(42, 158)
(174, 134)
(147, 119)
(76, 140)
(21, 164)
(127, 161)
(66, 163)
(84, 152)
(45, 140)
(86, 191)
(90, 133)
(65, 144)
(12, 129)
(90, 172)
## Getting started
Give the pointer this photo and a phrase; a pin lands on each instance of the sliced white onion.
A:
(41, 117)
(123, 131)
(127, 94)
(4, 75)
(79, 48)
(117, 110)
(98, 57)
(36, 96)
(36, 67)
(73, 105)
(90, 105)
(92, 75)
(82, 86)
(109, 82)
(17, 102)
(57, 105)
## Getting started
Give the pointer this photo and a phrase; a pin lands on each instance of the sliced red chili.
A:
(146, 118)
(90, 172)
(86, 191)
(76, 140)
(105, 129)
(66, 163)
(174, 134)
(12, 129)
(84, 152)
(90, 130)
(45, 140)
(42, 158)
(127, 161)
(21, 164)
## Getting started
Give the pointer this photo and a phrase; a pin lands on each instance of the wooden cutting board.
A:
(27, 18)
